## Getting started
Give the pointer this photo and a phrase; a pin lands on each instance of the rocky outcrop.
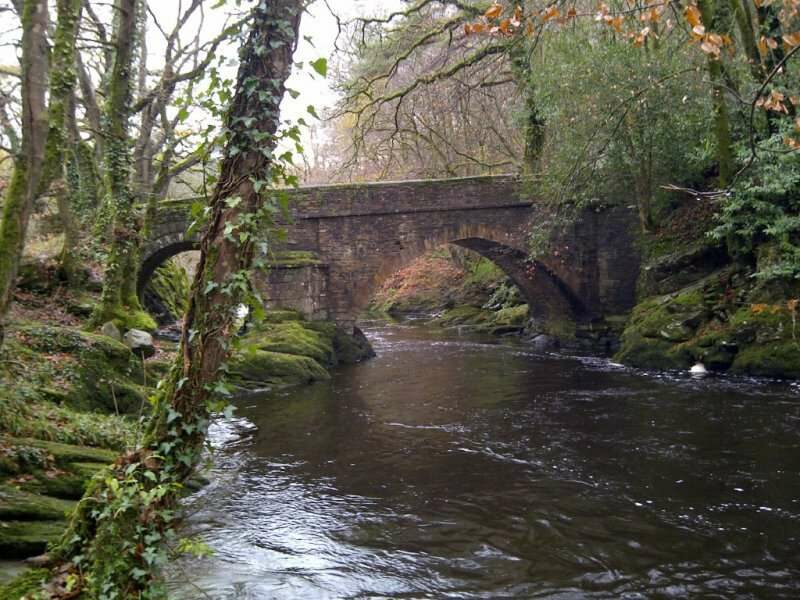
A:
(719, 316)
(286, 349)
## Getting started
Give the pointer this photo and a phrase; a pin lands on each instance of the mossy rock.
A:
(260, 368)
(28, 582)
(351, 348)
(17, 505)
(87, 470)
(67, 486)
(134, 319)
(294, 259)
(96, 372)
(64, 454)
(22, 539)
(778, 359)
(282, 315)
(293, 337)
(511, 316)
(651, 353)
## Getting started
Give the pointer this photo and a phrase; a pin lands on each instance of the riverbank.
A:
(697, 303)
(72, 400)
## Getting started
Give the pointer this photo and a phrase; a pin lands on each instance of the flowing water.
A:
(457, 467)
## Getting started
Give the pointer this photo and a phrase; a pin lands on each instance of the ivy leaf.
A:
(312, 111)
(320, 66)
(183, 114)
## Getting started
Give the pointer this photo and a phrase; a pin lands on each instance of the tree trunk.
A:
(62, 85)
(28, 165)
(722, 128)
(746, 24)
(115, 539)
(116, 300)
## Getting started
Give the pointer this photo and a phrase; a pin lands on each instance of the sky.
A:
(319, 25)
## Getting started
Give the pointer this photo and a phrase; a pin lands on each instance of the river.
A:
(463, 467)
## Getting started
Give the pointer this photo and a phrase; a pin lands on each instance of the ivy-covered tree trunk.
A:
(27, 173)
(63, 78)
(119, 294)
(115, 541)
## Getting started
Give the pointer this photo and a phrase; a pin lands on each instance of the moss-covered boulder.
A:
(257, 369)
(285, 349)
(35, 499)
(79, 369)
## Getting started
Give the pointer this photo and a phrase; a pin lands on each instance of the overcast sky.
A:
(318, 25)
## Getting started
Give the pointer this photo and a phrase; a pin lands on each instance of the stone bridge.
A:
(344, 240)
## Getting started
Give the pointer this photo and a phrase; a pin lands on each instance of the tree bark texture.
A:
(27, 172)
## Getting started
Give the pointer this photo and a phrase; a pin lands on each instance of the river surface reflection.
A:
(458, 467)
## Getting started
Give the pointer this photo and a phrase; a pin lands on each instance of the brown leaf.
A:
(494, 11)
(692, 14)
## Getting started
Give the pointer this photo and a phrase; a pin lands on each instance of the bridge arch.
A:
(502, 242)
(156, 254)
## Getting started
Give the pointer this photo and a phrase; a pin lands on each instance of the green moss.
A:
(260, 368)
(17, 505)
(775, 359)
(170, 285)
(515, 315)
(63, 454)
(26, 583)
(293, 337)
(134, 319)
(351, 349)
(650, 353)
(294, 259)
(68, 486)
(21, 539)
(93, 372)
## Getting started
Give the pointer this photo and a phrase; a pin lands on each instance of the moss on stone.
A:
(294, 259)
(282, 315)
(773, 359)
(284, 349)
(514, 315)
(64, 454)
(650, 353)
(93, 372)
(28, 582)
(294, 337)
(134, 319)
(21, 539)
(351, 349)
(17, 505)
(259, 368)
